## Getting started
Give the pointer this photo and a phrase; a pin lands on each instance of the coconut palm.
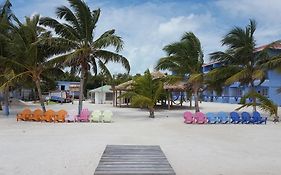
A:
(145, 92)
(185, 58)
(241, 59)
(7, 21)
(78, 32)
(30, 49)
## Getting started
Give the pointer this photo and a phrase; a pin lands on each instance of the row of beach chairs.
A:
(64, 116)
(223, 117)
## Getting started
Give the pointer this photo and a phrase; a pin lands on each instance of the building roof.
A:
(177, 86)
(275, 45)
(105, 88)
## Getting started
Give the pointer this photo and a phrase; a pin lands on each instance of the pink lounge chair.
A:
(200, 118)
(72, 116)
(188, 117)
(84, 116)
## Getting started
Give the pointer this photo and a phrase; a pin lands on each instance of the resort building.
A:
(101, 95)
(234, 92)
(71, 86)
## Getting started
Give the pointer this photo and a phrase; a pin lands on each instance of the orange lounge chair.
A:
(48, 116)
(36, 115)
(60, 116)
(24, 115)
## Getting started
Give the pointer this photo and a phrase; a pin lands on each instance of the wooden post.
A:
(120, 98)
(169, 107)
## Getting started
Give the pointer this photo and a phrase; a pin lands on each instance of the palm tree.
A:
(145, 92)
(241, 59)
(185, 58)
(7, 20)
(78, 34)
(30, 49)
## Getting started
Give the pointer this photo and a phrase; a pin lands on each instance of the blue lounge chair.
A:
(212, 118)
(246, 118)
(235, 118)
(223, 117)
(258, 119)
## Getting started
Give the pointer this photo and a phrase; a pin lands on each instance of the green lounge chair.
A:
(107, 116)
(96, 116)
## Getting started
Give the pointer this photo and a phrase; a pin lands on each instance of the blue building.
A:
(234, 92)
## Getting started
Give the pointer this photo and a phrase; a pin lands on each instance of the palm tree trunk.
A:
(6, 101)
(37, 82)
(81, 90)
(196, 99)
(151, 113)
(254, 98)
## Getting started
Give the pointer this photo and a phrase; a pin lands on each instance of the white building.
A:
(101, 95)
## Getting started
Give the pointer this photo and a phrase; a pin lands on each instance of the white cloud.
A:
(266, 13)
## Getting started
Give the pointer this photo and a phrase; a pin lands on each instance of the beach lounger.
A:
(246, 118)
(48, 116)
(84, 116)
(60, 116)
(188, 117)
(107, 116)
(212, 118)
(71, 116)
(257, 119)
(24, 115)
(96, 116)
(223, 117)
(235, 118)
(36, 115)
(200, 118)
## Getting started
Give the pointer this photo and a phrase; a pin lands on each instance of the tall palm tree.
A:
(30, 49)
(241, 59)
(78, 34)
(185, 58)
(7, 21)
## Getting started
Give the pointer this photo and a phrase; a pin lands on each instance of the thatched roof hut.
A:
(178, 86)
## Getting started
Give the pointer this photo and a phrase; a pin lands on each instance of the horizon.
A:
(147, 26)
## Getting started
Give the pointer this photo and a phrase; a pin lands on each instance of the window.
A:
(264, 92)
(108, 96)
(62, 87)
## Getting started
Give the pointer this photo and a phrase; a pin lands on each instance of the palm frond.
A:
(108, 56)
(108, 39)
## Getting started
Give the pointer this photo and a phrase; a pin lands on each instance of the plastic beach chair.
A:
(212, 118)
(96, 116)
(107, 116)
(257, 119)
(84, 115)
(48, 116)
(200, 118)
(36, 115)
(72, 116)
(24, 115)
(60, 116)
(188, 117)
(246, 118)
(223, 117)
(235, 118)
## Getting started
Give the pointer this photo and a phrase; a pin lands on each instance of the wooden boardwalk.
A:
(133, 159)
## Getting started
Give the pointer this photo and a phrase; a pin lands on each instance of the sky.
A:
(146, 26)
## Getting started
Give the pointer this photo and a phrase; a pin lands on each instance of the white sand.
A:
(31, 148)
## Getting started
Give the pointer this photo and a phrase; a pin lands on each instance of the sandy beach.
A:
(30, 148)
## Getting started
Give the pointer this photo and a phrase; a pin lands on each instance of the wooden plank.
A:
(133, 160)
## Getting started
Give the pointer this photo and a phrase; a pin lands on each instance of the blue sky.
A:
(146, 26)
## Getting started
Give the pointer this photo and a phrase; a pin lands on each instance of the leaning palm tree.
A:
(185, 59)
(30, 50)
(78, 34)
(241, 59)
